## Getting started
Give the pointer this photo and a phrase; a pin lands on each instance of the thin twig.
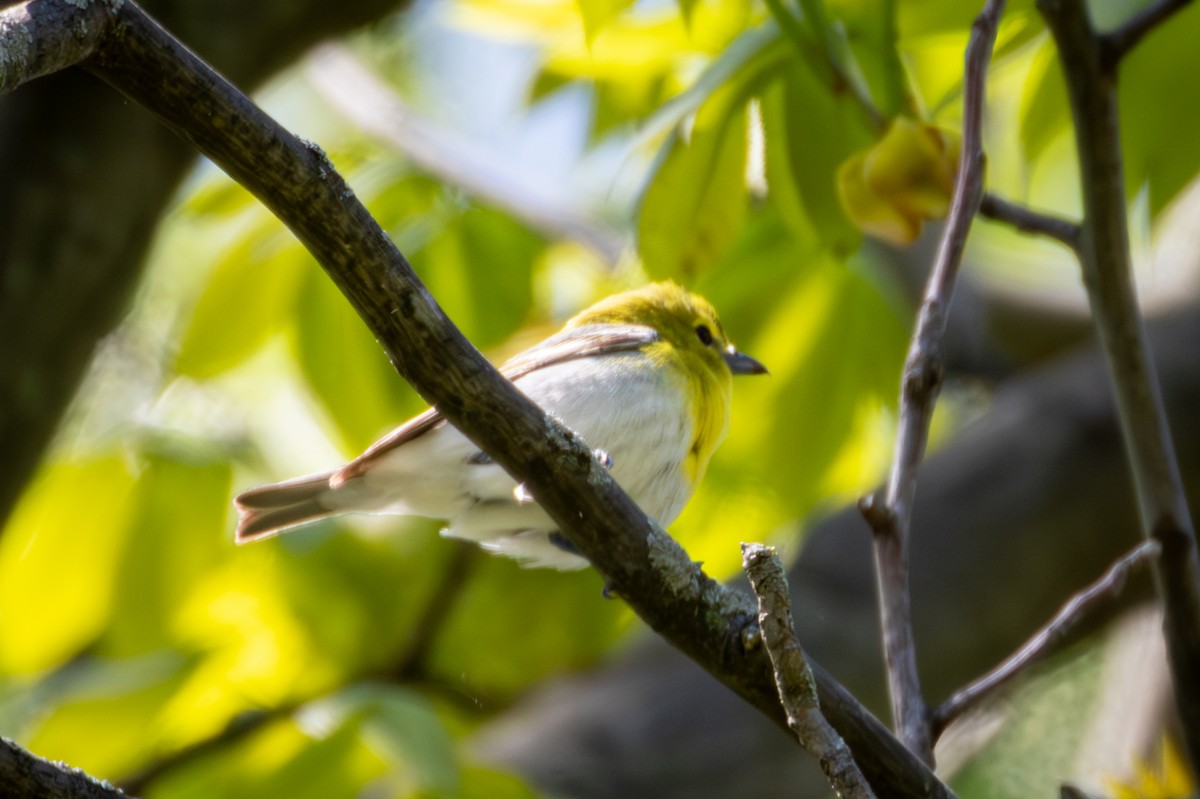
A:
(1105, 258)
(1077, 608)
(1117, 43)
(920, 384)
(794, 678)
(1027, 220)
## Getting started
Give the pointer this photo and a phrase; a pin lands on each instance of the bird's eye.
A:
(704, 334)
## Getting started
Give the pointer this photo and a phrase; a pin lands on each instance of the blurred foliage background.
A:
(529, 157)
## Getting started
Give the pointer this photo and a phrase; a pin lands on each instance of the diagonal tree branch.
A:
(1104, 255)
(1077, 608)
(294, 179)
(26, 776)
(890, 517)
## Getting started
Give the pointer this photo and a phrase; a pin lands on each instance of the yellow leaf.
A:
(58, 560)
(906, 177)
(871, 212)
(910, 167)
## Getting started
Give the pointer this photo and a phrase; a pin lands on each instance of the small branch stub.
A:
(1027, 220)
(794, 678)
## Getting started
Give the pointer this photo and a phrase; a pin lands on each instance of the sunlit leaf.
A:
(819, 130)
(176, 534)
(870, 35)
(1045, 111)
(758, 44)
(921, 17)
(219, 197)
(248, 297)
(685, 10)
(480, 269)
(251, 649)
(1151, 126)
(526, 637)
(598, 13)
(363, 599)
(907, 177)
(696, 201)
(401, 726)
(58, 559)
(345, 367)
(104, 717)
(279, 761)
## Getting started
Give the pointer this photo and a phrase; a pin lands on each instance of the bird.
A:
(643, 376)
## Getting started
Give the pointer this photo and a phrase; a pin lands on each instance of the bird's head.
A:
(686, 323)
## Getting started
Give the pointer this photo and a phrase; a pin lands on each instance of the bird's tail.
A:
(272, 509)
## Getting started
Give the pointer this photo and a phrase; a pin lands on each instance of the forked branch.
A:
(890, 516)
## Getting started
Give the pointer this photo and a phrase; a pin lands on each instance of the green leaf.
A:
(867, 40)
(58, 558)
(1045, 730)
(480, 268)
(105, 712)
(248, 297)
(280, 761)
(685, 10)
(219, 196)
(762, 44)
(810, 133)
(1156, 152)
(597, 14)
(696, 200)
(1045, 110)
(345, 367)
(177, 533)
(375, 589)
(401, 726)
(834, 344)
(482, 783)
(923, 17)
(510, 627)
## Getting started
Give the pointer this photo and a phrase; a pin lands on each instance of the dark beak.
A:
(742, 364)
